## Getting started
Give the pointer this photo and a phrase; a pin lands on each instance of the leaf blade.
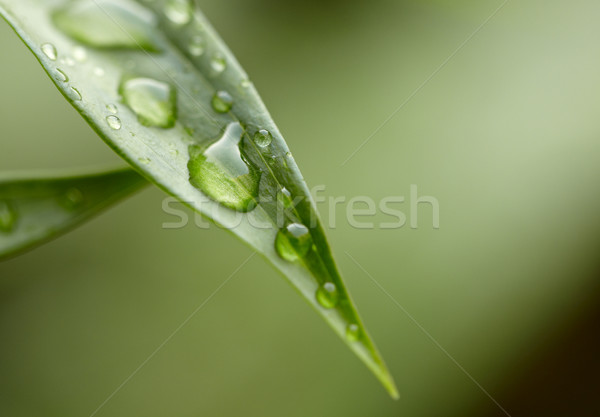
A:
(162, 155)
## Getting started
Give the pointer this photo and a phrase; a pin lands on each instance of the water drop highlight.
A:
(179, 12)
(352, 332)
(196, 46)
(218, 64)
(113, 122)
(222, 102)
(223, 172)
(50, 51)
(263, 138)
(154, 102)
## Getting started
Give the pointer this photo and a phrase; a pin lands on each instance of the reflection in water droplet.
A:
(327, 295)
(50, 51)
(112, 108)
(223, 173)
(154, 102)
(218, 64)
(61, 76)
(107, 24)
(352, 332)
(114, 122)
(196, 47)
(263, 138)
(8, 217)
(75, 94)
(293, 242)
(179, 12)
(222, 102)
(72, 199)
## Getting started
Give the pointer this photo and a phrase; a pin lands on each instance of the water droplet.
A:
(179, 12)
(218, 64)
(61, 76)
(293, 242)
(79, 54)
(98, 72)
(327, 295)
(112, 108)
(263, 138)
(154, 102)
(144, 161)
(50, 51)
(285, 198)
(72, 199)
(8, 217)
(223, 173)
(222, 102)
(68, 61)
(245, 83)
(107, 24)
(114, 122)
(75, 94)
(196, 47)
(352, 332)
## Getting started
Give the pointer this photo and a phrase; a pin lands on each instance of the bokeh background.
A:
(505, 136)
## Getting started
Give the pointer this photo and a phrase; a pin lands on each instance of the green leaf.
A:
(161, 88)
(34, 210)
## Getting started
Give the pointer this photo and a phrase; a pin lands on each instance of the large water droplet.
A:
(352, 332)
(61, 75)
(263, 138)
(179, 12)
(222, 102)
(154, 102)
(8, 217)
(50, 51)
(327, 295)
(223, 173)
(293, 242)
(107, 24)
(114, 122)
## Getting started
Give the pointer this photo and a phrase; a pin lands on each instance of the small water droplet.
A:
(8, 217)
(98, 72)
(223, 172)
(245, 83)
(61, 76)
(222, 102)
(285, 198)
(154, 102)
(72, 199)
(196, 47)
(50, 51)
(68, 61)
(327, 295)
(293, 242)
(112, 108)
(288, 154)
(352, 332)
(144, 161)
(114, 122)
(79, 53)
(218, 64)
(263, 138)
(76, 95)
(107, 24)
(179, 12)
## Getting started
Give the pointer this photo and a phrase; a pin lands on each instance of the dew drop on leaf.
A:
(154, 102)
(114, 122)
(327, 295)
(218, 64)
(263, 138)
(223, 173)
(285, 198)
(196, 46)
(222, 102)
(79, 53)
(8, 217)
(50, 51)
(72, 199)
(293, 242)
(112, 108)
(179, 12)
(75, 94)
(352, 332)
(107, 24)
(61, 76)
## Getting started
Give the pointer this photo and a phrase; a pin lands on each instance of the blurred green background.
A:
(505, 136)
